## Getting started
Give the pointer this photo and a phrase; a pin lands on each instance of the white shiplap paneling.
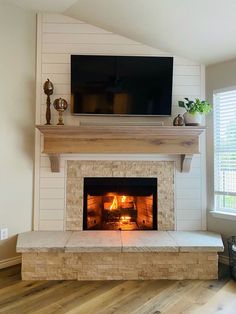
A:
(110, 38)
(54, 204)
(52, 193)
(60, 36)
(51, 224)
(51, 215)
(52, 183)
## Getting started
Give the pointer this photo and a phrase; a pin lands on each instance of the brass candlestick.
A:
(48, 90)
(60, 105)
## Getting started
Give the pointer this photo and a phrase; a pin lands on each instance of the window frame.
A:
(227, 213)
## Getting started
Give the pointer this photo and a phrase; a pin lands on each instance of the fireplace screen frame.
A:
(117, 185)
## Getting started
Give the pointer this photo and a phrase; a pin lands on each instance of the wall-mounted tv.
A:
(121, 85)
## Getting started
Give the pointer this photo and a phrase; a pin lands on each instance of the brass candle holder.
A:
(48, 90)
(60, 105)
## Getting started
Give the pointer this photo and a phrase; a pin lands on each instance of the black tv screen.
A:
(121, 85)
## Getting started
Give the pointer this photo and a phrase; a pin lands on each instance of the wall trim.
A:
(203, 159)
(36, 217)
(10, 262)
(223, 215)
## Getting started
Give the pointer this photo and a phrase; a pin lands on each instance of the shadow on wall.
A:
(28, 132)
(17, 134)
(7, 247)
(26, 129)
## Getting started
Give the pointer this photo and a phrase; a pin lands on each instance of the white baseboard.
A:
(224, 259)
(10, 262)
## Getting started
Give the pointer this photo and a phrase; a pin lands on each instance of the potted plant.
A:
(195, 110)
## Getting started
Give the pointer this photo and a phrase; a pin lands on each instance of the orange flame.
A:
(114, 204)
(125, 219)
(123, 199)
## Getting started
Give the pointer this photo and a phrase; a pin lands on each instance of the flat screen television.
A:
(121, 85)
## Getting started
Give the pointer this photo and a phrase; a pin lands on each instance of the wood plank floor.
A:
(106, 297)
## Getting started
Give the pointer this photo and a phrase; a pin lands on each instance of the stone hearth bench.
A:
(119, 255)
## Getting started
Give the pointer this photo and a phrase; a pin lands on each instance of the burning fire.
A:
(123, 199)
(125, 219)
(114, 204)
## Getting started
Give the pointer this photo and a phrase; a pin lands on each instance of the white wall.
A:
(218, 76)
(58, 37)
(17, 91)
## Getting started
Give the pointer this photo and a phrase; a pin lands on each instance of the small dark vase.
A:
(178, 121)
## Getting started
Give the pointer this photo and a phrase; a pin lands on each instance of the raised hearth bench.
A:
(119, 255)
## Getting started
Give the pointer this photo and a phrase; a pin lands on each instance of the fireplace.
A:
(120, 203)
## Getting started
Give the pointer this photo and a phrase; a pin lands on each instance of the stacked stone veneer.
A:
(119, 266)
(162, 170)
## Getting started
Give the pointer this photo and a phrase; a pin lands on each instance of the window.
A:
(225, 151)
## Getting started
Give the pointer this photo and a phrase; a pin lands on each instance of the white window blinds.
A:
(225, 150)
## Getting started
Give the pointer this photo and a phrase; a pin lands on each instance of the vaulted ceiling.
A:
(201, 30)
(58, 6)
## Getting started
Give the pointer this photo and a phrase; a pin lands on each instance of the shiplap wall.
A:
(58, 37)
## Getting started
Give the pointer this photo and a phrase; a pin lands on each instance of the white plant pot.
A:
(192, 119)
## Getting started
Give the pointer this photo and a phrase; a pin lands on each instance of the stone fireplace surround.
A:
(78, 170)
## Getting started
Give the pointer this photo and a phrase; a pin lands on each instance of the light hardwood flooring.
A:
(106, 297)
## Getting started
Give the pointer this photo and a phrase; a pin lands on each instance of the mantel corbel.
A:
(186, 161)
(55, 162)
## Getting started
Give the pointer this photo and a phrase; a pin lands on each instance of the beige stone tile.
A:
(115, 265)
(203, 241)
(94, 241)
(147, 241)
(74, 212)
(74, 224)
(163, 170)
(42, 241)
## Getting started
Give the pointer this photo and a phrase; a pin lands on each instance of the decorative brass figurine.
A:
(60, 105)
(48, 90)
(178, 121)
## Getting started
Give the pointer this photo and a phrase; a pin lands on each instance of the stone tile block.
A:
(147, 241)
(94, 241)
(42, 241)
(194, 241)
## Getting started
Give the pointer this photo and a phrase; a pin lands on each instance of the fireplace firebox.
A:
(120, 204)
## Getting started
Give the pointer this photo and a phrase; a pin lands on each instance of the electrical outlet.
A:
(3, 233)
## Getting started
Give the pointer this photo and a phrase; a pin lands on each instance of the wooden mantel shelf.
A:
(116, 139)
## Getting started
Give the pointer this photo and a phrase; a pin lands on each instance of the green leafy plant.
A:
(197, 106)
